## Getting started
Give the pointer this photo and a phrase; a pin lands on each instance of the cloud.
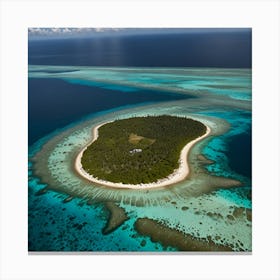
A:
(69, 32)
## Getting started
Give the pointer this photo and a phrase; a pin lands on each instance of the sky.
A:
(53, 33)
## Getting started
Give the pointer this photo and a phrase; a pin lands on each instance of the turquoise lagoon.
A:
(213, 204)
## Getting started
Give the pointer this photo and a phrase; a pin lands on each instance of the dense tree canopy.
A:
(140, 149)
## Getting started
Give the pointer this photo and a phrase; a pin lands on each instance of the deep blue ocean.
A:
(54, 103)
(240, 147)
(221, 49)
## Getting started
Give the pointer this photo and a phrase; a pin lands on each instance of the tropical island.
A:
(140, 152)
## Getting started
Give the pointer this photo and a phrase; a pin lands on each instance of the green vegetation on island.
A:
(139, 149)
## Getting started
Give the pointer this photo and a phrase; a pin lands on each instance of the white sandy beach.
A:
(178, 175)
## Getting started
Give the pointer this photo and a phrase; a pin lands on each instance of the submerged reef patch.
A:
(175, 238)
(116, 218)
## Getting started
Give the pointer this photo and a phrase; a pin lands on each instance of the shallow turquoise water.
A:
(76, 226)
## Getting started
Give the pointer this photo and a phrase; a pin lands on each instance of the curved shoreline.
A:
(177, 176)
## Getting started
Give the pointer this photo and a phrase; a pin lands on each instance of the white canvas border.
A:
(261, 16)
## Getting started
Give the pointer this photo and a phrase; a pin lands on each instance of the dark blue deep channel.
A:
(240, 153)
(55, 103)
